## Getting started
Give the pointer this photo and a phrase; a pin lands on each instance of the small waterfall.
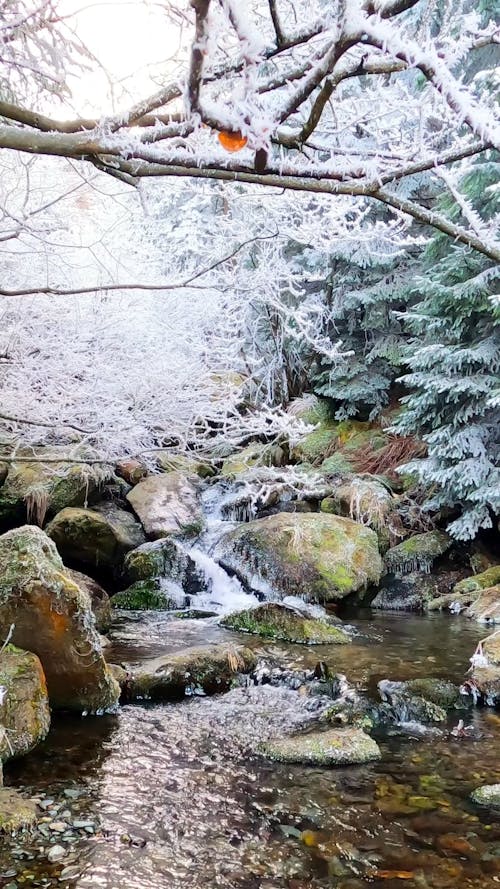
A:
(222, 593)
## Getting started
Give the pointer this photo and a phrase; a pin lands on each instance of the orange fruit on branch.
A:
(232, 141)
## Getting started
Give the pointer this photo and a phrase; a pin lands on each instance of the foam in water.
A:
(223, 593)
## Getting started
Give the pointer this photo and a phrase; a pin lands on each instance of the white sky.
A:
(134, 41)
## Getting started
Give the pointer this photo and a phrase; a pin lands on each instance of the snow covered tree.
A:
(454, 360)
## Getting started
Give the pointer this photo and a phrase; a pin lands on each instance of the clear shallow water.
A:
(178, 800)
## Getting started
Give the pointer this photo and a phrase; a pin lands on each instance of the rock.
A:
(487, 795)
(206, 669)
(369, 502)
(478, 582)
(32, 491)
(416, 591)
(24, 704)
(190, 465)
(101, 604)
(417, 553)
(485, 679)
(52, 617)
(155, 594)
(56, 853)
(401, 703)
(335, 747)
(317, 556)
(255, 454)
(167, 505)
(99, 538)
(316, 445)
(132, 471)
(159, 558)
(275, 621)
(486, 608)
(16, 813)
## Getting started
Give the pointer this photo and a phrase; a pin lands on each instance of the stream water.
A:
(172, 796)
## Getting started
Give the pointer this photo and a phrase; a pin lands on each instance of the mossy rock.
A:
(98, 538)
(438, 691)
(168, 505)
(33, 491)
(144, 595)
(158, 558)
(486, 608)
(53, 618)
(401, 703)
(24, 703)
(337, 464)
(314, 446)
(487, 795)
(16, 813)
(478, 582)
(254, 455)
(335, 747)
(99, 598)
(189, 465)
(275, 621)
(417, 553)
(207, 669)
(316, 556)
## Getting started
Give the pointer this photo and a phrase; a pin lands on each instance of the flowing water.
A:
(174, 796)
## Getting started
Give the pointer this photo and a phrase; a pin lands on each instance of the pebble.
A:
(58, 826)
(46, 803)
(56, 853)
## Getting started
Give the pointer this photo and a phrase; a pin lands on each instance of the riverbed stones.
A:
(335, 747)
(16, 813)
(98, 538)
(417, 553)
(207, 670)
(24, 703)
(168, 504)
(318, 557)
(52, 617)
(273, 620)
(487, 795)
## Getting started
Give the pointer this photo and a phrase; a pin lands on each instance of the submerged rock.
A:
(52, 617)
(154, 594)
(344, 746)
(16, 813)
(487, 795)
(98, 537)
(276, 621)
(486, 608)
(317, 556)
(205, 670)
(417, 553)
(168, 504)
(24, 704)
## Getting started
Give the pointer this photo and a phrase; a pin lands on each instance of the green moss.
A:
(483, 581)
(144, 595)
(275, 621)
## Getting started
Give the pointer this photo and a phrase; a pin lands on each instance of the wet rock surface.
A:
(277, 621)
(16, 812)
(317, 556)
(335, 747)
(52, 617)
(487, 795)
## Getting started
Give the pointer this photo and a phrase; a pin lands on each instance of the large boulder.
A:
(205, 669)
(319, 557)
(486, 608)
(168, 504)
(158, 558)
(417, 591)
(24, 704)
(272, 620)
(154, 594)
(51, 616)
(35, 490)
(417, 553)
(335, 747)
(98, 538)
